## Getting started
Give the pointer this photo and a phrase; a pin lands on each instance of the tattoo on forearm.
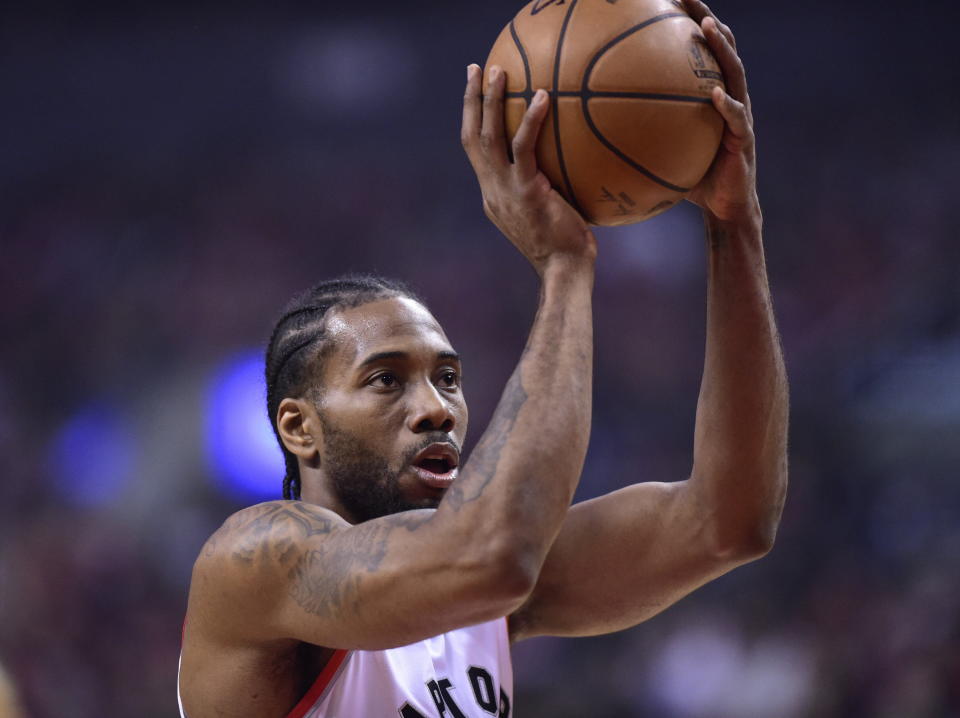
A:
(326, 580)
(486, 457)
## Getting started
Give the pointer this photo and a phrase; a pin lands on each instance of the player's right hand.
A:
(517, 196)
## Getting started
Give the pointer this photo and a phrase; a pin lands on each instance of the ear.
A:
(299, 428)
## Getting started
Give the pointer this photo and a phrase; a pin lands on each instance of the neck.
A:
(315, 489)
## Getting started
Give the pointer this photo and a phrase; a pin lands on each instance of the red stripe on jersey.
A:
(319, 685)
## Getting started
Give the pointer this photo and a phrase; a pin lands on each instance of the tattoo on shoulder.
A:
(325, 577)
(269, 531)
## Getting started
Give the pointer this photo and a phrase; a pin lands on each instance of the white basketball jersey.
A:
(465, 673)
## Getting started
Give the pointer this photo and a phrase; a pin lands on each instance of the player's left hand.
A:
(729, 189)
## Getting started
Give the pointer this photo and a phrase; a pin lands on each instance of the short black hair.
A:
(289, 369)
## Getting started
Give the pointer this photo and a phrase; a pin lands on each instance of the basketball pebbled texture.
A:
(632, 128)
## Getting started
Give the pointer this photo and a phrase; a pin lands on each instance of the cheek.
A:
(361, 408)
(370, 422)
(462, 416)
(378, 423)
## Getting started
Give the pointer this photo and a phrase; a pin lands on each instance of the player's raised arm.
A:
(294, 571)
(621, 558)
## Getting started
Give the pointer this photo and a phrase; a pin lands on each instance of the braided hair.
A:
(290, 367)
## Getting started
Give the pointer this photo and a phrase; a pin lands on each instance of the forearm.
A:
(519, 481)
(513, 493)
(740, 445)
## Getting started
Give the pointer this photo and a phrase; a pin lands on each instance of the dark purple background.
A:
(170, 174)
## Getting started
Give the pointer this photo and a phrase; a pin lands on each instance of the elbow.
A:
(742, 531)
(752, 544)
(746, 539)
(510, 576)
(486, 587)
(737, 548)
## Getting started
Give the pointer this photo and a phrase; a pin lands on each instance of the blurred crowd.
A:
(170, 175)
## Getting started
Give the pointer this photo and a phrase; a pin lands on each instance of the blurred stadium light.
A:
(93, 455)
(242, 453)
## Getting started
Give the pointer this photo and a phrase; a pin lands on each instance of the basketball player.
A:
(395, 584)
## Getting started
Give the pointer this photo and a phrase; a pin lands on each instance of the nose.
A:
(429, 409)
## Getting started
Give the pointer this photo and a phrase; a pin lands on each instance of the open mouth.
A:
(437, 465)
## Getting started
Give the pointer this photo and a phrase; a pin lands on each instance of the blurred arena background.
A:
(171, 173)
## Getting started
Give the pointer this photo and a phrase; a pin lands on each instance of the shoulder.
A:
(309, 518)
(258, 531)
(243, 566)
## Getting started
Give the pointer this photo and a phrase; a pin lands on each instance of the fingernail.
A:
(494, 72)
(539, 96)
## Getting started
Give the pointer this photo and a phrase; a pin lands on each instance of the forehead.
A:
(392, 324)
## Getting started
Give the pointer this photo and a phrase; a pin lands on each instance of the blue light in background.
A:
(92, 456)
(242, 453)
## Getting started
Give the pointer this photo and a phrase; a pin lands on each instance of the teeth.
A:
(436, 466)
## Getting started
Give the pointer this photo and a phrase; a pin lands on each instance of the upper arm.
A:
(290, 570)
(620, 559)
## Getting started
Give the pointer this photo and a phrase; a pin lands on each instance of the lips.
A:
(437, 465)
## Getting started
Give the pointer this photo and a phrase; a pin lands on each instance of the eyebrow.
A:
(383, 356)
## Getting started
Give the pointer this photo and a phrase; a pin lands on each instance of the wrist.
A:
(575, 253)
(566, 283)
(562, 268)
(745, 220)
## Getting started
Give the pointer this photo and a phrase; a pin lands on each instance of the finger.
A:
(525, 141)
(697, 10)
(739, 129)
(726, 32)
(734, 75)
(492, 141)
(470, 126)
(700, 10)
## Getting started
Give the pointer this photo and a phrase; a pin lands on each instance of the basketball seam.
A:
(555, 103)
(527, 94)
(585, 96)
(593, 94)
(625, 34)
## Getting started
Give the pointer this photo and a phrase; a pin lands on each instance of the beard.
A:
(367, 486)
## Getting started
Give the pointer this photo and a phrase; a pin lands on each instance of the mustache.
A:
(436, 437)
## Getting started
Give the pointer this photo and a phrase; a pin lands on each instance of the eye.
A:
(385, 380)
(449, 379)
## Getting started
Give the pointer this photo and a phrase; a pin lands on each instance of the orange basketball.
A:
(631, 127)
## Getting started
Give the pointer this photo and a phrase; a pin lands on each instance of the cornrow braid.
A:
(290, 367)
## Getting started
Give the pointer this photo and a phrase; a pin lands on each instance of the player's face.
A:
(392, 409)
